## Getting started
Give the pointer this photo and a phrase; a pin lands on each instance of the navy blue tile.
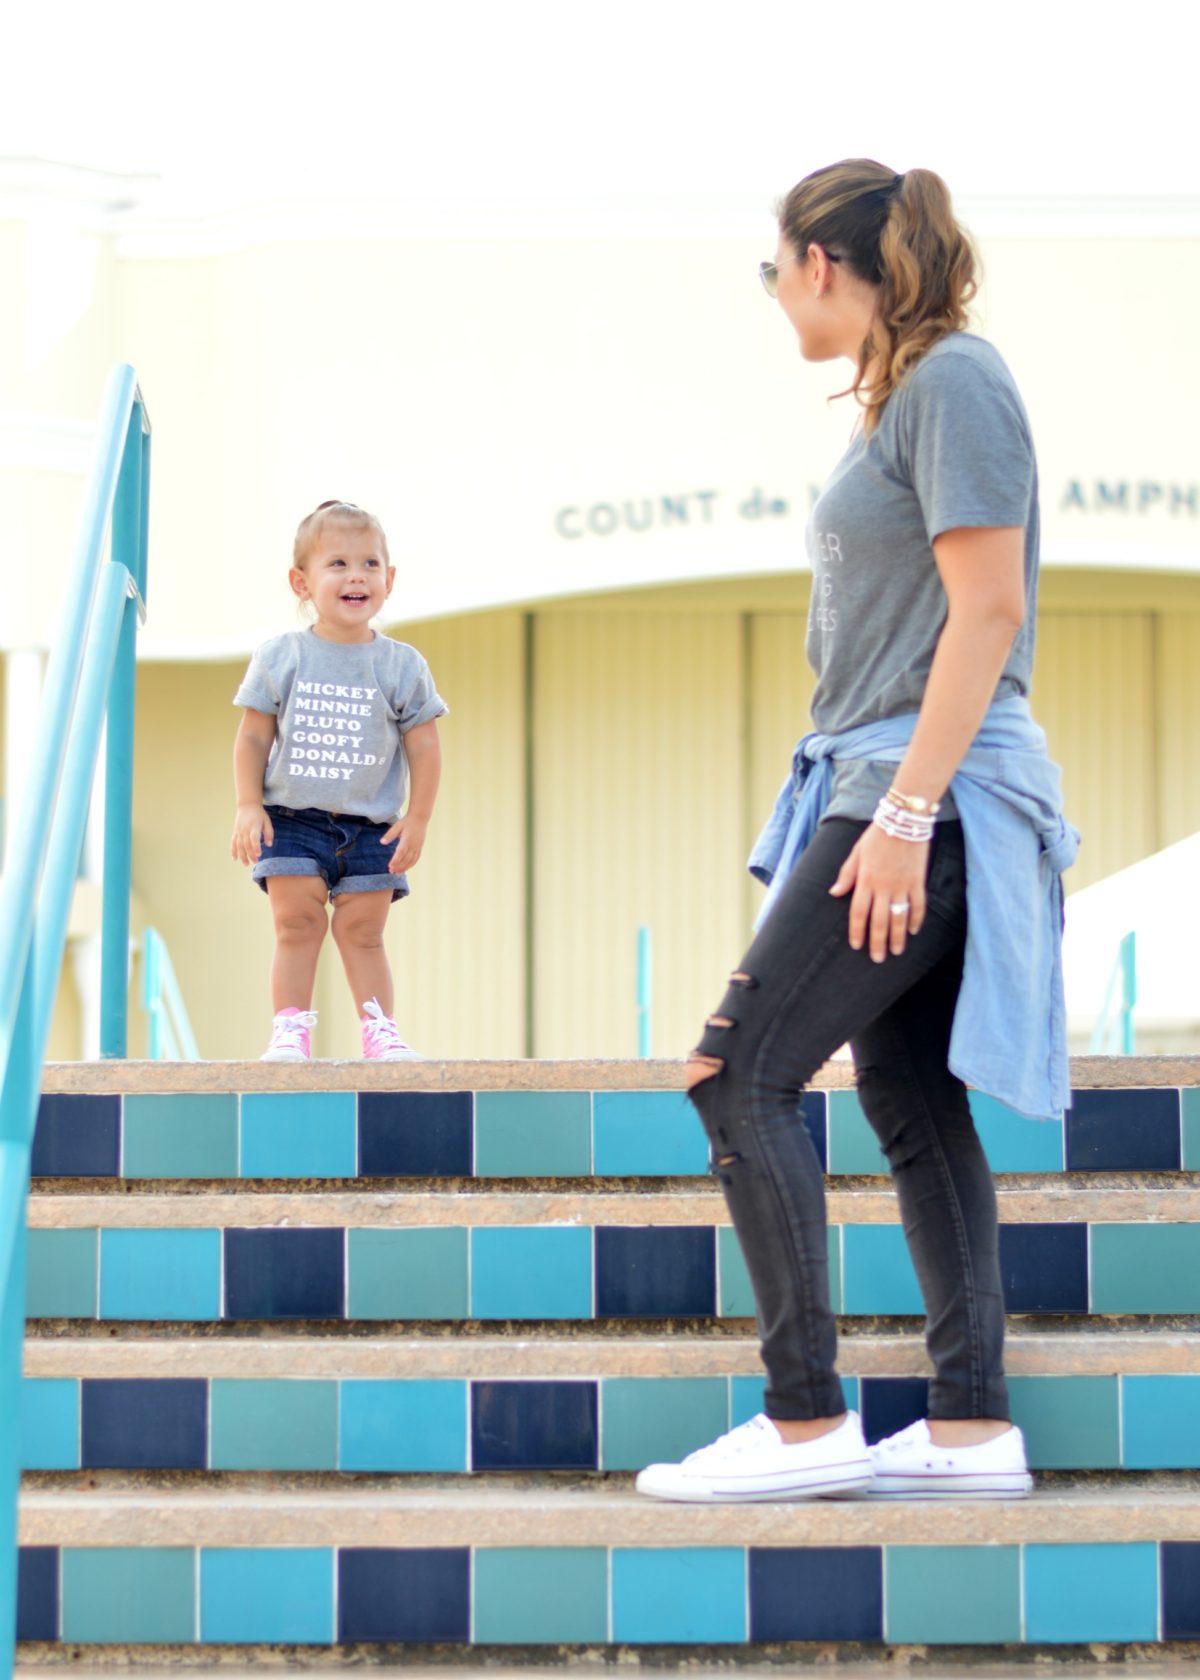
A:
(891, 1403)
(1123, 1131)
(534, 1426)
(145, 1424)
(37, 1592)
(77, 1137)
(1044, 1268)
(404, 1595)
(414, 1134)
(659, 1272)
(284, 1274)
(816, 1592)
(1180, 1589)
(813, 1111)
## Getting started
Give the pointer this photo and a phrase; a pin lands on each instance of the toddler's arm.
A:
(424, 751)
(251, 749)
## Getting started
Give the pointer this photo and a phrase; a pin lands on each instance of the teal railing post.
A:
(645, 988)
(1128, 990)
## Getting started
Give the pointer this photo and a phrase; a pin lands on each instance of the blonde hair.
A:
(349, 514)
(898, 232)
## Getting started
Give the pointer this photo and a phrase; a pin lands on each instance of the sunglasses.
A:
(768, 273)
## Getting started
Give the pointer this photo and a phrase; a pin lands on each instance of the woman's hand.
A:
(409, 834)
(882, 872)
(251, 827)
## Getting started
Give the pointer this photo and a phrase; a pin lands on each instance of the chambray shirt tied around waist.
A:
(1009, 1037)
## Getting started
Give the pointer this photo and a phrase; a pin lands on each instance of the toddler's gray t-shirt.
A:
(952, 448)
(342, 712)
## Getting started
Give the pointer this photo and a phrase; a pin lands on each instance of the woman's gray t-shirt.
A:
(342, 712)
(952, 448)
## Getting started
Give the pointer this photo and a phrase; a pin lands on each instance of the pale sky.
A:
(233, 101)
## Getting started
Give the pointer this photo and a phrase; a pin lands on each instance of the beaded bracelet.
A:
(893, 819)
(912, 802)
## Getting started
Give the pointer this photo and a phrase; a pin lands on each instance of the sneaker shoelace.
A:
(748, 1437)
(288, 1031)
(380, 1031)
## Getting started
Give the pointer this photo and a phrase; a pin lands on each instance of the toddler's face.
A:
(347, 579)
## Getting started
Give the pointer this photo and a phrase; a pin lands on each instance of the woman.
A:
(914, 860)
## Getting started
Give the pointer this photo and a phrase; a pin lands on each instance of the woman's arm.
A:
(983, 573)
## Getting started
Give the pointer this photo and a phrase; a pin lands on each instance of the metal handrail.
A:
(169, 1029)
(90, 675)
(1124, 970)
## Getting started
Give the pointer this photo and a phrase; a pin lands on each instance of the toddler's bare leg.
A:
(298, 907)
(358, 923)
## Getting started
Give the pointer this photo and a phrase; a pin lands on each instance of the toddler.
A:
(338, 726)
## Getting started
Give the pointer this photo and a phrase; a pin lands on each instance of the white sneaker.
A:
(291, 1036)
(753, 1462)
(381, 1041)
(909, 1465)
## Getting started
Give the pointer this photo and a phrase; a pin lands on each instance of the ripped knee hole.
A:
(739, 978)
(699, 1067)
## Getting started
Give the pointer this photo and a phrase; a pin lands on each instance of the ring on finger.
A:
(901, 907)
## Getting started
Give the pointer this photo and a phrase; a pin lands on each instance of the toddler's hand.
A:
(409, 835)
(251, 827)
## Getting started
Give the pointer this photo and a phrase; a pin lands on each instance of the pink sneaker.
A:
(290, 1036)
(381, 1041)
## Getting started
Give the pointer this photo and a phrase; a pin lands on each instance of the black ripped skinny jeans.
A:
(807, 993)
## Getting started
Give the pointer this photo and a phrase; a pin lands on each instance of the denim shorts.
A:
(343, 850)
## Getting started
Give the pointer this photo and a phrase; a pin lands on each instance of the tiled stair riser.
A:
(1135, 1592)
(611, 1424)
(543, 1134)
(566, 1272)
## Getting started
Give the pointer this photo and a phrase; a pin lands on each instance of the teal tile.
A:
(63, 1268)
(877, 1273)
(135, 1595)
(647, 1420)
(746, 1397)
(1013, 1142)
(685, 1595)
(533, 1134)
(1069, 1423)
(834, 1249)
(647, 1132)
(1145, 1268)
(176, 1136)
(160, 1275)
(403, 1425)
(952, 1595)
(251, 1595)
(409, 1274)
(273, 1425)
(1191, 1129)
(535, 1272)
(49, 1423)
(299, 1134)
(1091, 1593)
(735, 1297)
(535, 1595)
(1161, 1423)
(851, 1145)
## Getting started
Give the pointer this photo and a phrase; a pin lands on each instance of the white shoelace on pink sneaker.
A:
(291, 1033)
(381, 1038)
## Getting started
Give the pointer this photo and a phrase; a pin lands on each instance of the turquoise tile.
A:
(136, 1595)
(647, 1132)
(686, 1595)
(534, 1272)
(272, 1425)
(1145, 1268)
(877, 1273)
(952, 1595)
(251, 1595)
(746, 1397)
(735, 1297)
(834, 1246)
(1069, 1423)
(403, 1425)
(49, 1423)
(1088, 1594)
(299, 1134)
(1161, 1423)
(533, 1134)
(1013, 1142)
(647, 1420)
(535, 1595)
(63, 1267)
(175, 1136)
(160, 1275)
(409, 1274)
(851, 1146)
(1191, 1129)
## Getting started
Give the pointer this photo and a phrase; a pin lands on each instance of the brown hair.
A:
(334, 513)
(899, 233)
